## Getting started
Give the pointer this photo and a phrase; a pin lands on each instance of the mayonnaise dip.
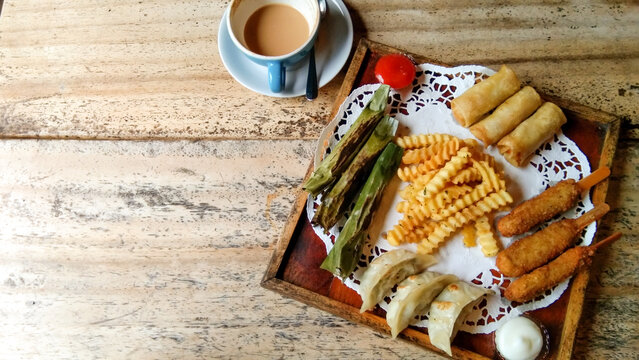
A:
(519, 339)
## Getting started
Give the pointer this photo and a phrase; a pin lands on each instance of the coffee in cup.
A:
(274, 33)
(275, 30)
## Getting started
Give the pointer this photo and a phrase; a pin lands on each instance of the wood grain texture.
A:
(154, 249)
(149, 250)
(135, 70)
(141, 70)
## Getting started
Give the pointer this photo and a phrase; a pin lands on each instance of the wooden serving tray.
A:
(294, 270)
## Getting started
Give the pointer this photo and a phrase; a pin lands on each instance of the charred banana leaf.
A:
(334, 163)
(344, 255)
(343, 192)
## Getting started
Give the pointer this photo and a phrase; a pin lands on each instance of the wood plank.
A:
(58, 192)
(156, 249)
(165, 280)
(151, 70)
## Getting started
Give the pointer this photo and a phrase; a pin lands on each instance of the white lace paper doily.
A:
(425, 108)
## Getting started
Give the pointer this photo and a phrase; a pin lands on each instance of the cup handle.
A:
(276, 76)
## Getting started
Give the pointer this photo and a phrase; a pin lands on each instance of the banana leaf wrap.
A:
(343, 192)
(344, 255)
(336, 162)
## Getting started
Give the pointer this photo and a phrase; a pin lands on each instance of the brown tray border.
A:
(580, 281)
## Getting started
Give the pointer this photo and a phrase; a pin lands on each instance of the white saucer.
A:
(332, 48)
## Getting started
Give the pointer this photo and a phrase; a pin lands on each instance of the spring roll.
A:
(517, 146)
(484, 96)
(507, 116)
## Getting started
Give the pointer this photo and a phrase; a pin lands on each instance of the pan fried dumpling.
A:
(449, 310)
(413, 297)
(387, 270)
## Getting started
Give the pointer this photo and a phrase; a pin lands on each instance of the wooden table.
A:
(142, 189)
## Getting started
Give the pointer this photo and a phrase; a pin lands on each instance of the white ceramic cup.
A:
(239, 13)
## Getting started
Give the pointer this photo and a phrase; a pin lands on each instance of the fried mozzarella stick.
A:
(537, 249)
(554, 200)
(567, 264)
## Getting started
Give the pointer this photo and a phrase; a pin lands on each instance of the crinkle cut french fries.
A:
(452, 185)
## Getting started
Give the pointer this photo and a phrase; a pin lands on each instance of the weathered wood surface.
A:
(151, 69)
(155, 249)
